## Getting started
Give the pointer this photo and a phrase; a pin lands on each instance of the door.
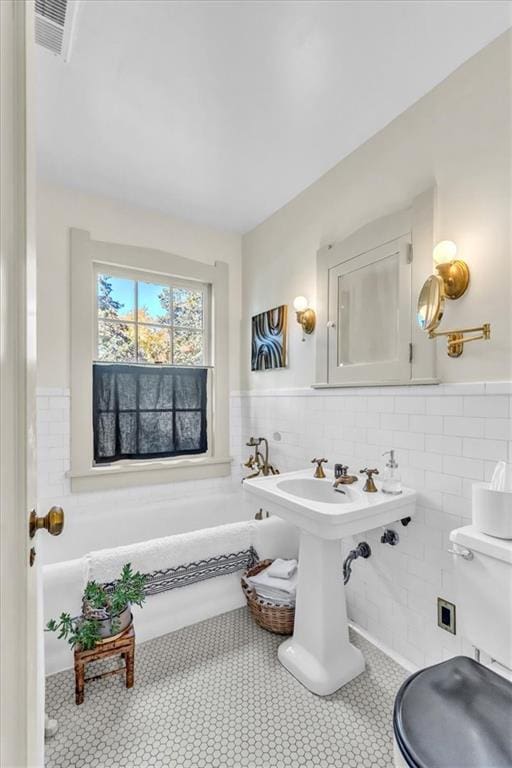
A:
(21, 667)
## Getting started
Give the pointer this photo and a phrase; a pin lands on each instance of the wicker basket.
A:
(274, 618)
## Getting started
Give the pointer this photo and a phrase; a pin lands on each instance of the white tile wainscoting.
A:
(53, 427)
(446, 437)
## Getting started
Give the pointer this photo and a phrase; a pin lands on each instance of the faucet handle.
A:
(319, 471)
(369, 486)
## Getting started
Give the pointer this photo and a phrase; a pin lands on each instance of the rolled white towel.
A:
(171, 551)
(276, 538)
(282, 569)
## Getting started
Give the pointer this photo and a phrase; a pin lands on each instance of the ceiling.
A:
(221, 112)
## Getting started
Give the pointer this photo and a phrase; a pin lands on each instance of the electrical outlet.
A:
(446, 615)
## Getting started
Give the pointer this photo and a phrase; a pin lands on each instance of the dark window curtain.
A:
(148, 412)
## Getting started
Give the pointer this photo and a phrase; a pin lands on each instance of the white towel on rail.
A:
(105, 565)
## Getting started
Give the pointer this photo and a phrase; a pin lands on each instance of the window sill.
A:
(130, 474)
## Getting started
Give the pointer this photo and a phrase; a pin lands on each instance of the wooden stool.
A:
(122, 644)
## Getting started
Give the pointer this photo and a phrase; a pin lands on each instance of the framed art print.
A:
(269, 339)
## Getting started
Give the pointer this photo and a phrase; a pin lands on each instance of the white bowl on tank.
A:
(483, 578)
(492, 511)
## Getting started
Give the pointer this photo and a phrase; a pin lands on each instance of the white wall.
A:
(58, 209)
(446, 437)
(457, 136)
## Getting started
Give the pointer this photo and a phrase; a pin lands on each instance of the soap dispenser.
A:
(391, 480)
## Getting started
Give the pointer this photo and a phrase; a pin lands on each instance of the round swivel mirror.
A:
(431, 303)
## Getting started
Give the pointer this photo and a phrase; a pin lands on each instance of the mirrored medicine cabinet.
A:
(367, 289)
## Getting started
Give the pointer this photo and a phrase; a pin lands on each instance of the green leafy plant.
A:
(77, 631)
(95, 595)
(128, 589)
(100, 603)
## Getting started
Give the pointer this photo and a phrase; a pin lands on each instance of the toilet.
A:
(458, 714)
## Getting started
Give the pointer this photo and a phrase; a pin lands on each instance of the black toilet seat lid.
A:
(457, 714)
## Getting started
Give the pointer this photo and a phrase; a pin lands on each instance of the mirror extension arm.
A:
(456, 339)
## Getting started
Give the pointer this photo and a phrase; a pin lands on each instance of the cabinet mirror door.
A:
(370, 316)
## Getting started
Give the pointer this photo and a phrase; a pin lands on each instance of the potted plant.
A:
(106, 611)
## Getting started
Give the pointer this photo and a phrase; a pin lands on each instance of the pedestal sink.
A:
(319, 653)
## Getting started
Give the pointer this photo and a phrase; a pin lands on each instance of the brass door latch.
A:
(53, 522)
(319, 471)
(369, 486)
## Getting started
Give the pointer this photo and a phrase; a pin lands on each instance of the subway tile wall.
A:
(446, 437)
(53, 452)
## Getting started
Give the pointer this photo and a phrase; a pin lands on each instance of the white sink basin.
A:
(315, 506)
(319, 654)
(311, 489)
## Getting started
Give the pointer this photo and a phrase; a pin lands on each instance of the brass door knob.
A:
(53, 521)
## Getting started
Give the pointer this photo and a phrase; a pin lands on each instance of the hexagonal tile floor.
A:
(214, 695)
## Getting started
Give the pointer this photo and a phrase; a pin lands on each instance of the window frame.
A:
(90, 257)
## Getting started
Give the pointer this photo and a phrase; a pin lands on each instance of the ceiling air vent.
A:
(54, 22)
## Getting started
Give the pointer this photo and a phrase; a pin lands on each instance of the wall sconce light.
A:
(451, 281)
(306, 317)
(454, 272)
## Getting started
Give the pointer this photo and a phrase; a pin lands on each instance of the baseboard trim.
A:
(401, 660)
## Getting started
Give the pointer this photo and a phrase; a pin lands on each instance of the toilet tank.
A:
(484, 591)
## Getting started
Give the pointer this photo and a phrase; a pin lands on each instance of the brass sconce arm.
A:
(456, 339)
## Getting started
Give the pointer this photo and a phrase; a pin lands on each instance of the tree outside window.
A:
(147, 322)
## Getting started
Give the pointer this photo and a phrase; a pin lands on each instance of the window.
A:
(149, 388)
(141, 325)
(139, 321)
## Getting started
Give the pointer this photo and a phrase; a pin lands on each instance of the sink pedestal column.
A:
(319, 653)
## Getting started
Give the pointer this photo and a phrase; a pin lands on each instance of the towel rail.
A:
(191, 573)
